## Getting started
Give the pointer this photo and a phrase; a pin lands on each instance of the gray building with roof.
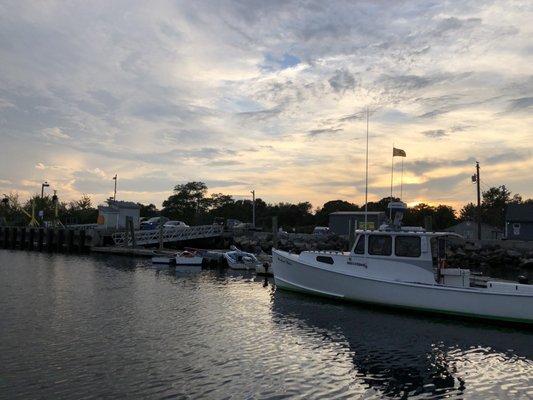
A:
(519, 222)
(468, 230)
(341, 221)
(115, 213)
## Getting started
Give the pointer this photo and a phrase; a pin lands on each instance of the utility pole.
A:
(115, 193)
(253, 207)
(478, 182)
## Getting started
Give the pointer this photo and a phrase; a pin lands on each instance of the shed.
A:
(468, 230)
(114, 214)
(519, 222)
(340, 221)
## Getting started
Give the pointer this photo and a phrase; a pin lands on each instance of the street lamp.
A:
(43, 185)
(253, 207)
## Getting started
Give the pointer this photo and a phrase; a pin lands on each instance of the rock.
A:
(526, 263)
(513, 253)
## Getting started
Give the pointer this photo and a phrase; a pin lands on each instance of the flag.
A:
(398, 152)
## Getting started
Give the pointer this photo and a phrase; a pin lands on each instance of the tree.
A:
(148, 211)
(187, 203)
(322, 214)
(443, 217)
(494, 204)
(468, 213)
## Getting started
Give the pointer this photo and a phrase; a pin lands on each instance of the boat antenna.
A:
(366, 173)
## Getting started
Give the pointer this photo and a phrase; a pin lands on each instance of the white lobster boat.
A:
(401, 268)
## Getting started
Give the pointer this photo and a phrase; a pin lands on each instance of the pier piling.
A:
(31, 238)
(40, 239)
(22, 243)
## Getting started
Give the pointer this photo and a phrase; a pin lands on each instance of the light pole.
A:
(253, 207)
(43, 185)
(115, 193)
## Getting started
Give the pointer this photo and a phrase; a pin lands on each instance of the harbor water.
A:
(76, 326)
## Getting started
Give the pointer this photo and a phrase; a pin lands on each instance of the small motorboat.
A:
(161, 257)
(189, 258)
(242, 260)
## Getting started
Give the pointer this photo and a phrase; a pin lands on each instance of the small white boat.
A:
(163, 258)
(242, 260)
(402, 268)
(189, 258)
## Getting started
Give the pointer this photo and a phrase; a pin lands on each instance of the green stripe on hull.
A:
(292, 288)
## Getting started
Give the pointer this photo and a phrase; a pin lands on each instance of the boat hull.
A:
(195, 261)
(290, 274)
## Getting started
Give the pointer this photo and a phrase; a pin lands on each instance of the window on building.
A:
(407, 246)
(379, 245)
(360, 246)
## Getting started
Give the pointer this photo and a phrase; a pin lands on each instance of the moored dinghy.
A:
(242, 260)
(189, 258)
(401, 268)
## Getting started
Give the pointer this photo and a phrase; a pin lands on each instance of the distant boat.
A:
(402, 268)
(161, 257)
(241, 260)
(189, 258)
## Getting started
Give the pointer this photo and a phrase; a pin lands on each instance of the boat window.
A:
(325, 259)
(360, 246)
(407, 246)
(379, 245)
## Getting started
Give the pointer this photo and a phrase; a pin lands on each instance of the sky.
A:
(266, 95)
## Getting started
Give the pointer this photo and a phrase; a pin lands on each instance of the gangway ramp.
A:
(166, 235)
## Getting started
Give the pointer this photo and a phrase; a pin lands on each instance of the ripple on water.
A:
(96, 327)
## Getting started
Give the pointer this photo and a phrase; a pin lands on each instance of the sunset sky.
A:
(267, 95)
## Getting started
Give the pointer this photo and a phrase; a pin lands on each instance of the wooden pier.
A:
(44, 239)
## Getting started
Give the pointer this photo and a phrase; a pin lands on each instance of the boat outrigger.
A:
(402, 267)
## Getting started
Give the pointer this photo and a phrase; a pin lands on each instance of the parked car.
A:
(232, 223)
(321, 231)
(153, 223)
(175, 224)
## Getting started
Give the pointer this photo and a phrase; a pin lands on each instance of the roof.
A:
(357, 213)
(473, 224)
(519, 213)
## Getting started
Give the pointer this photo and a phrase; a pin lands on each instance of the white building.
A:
(113, 216)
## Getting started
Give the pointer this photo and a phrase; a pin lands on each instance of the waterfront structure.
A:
(115, 213)
(519, 222)
(469, 230)
(341, 221)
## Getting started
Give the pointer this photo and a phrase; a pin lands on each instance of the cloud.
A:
(435, 133)
(86, 92)
(521, 104)
(342, 81)
(55, 133)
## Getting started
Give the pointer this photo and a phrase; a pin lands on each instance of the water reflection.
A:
(402, 355)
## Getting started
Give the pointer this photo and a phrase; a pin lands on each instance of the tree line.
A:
(191, 203)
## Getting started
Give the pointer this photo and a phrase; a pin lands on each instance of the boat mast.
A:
(366, 174)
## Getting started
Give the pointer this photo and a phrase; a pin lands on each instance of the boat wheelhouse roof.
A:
(406, 232)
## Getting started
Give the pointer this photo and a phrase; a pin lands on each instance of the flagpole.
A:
(401, 183)
(391, 178)
(366, 174)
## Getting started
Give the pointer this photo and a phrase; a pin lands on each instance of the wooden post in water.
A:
(275, 232)
(14, 232)
(70, 240)
(31, 238)
(22, 243)
(6, 237)
(40, 239)
(60, 239)
(81, 240)
(49, 239)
